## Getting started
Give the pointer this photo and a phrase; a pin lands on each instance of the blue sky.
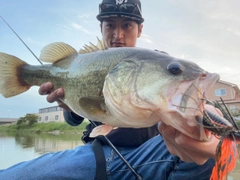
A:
(203, 31)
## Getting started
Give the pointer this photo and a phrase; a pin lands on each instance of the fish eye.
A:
(175, 68)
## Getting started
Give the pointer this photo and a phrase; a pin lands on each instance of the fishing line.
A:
(137, 176)
(21, 40)
(230, 116)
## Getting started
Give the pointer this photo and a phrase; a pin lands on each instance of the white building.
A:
(50, 114)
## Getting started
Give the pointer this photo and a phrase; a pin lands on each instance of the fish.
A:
(126, 87)
(120, 87)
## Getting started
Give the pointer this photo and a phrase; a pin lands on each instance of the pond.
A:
(15, 148)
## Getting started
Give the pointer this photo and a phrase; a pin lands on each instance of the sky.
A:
(203, 31)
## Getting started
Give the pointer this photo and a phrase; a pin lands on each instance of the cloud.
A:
(30, 40)
(84, 16)
(146, 38)
(62, 26)
(234, 31)
(227, 73)
(78, 27)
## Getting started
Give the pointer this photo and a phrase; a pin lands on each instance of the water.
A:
(16, 148)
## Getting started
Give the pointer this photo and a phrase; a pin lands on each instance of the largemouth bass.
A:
(121, 87)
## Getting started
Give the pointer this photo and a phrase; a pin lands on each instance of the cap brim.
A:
(103, 16)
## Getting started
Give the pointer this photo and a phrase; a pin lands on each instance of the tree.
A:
(28, 120)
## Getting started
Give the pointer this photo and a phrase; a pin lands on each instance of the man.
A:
(121, 25)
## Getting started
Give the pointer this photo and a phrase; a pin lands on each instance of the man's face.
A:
(120, 32)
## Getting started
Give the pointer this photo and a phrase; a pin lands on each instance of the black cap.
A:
(120, 8)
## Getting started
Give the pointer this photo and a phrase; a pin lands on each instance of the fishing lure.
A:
(226, 129)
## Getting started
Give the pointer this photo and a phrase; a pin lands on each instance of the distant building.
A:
(229, 92)
(8, 120)
(50, 114)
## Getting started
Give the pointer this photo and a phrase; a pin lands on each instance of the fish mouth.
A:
(206, 86)
(190, 95)
(197, 92)
(189, 102)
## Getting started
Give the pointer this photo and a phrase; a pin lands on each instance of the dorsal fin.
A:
(101, 45)
(56, 51)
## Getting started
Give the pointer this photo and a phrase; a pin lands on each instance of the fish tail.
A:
(226, 160)
(10, 81)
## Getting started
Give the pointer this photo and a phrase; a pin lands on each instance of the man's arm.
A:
(72, 119)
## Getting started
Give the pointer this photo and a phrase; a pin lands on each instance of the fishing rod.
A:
(21, 40)
(137, 176)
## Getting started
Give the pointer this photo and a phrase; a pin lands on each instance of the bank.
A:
(51, 127)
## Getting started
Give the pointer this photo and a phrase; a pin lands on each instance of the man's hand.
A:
(53, 96)
(187, 148)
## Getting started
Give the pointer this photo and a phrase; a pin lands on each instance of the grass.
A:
(50, 127)
(44, 127)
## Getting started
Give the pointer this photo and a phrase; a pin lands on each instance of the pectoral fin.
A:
(101, 130)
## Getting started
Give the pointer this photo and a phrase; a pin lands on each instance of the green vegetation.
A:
(236, 113)
(27, 120)
(29, 124)
(238, 124)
